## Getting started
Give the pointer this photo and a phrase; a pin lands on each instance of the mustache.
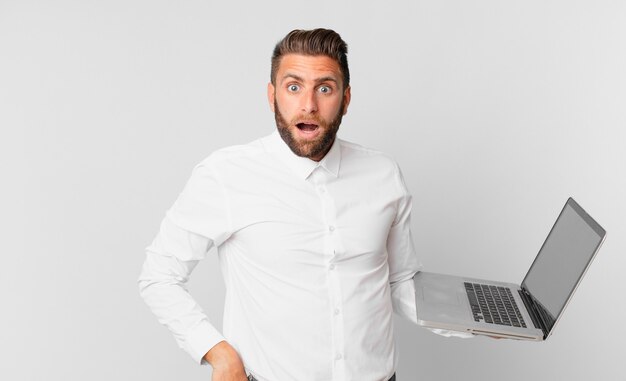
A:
(311, 118)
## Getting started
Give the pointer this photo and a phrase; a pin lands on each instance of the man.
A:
(312, 232)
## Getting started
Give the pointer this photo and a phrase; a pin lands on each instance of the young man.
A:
(312, 232)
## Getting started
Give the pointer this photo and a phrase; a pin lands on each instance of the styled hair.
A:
(315, 42)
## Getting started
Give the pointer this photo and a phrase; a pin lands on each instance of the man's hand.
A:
(226, 363)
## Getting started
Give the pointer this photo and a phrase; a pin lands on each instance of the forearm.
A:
(170, 260)
(403, 300)
(165, 293)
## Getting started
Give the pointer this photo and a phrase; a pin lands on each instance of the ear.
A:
(271, 91)
(347, 95)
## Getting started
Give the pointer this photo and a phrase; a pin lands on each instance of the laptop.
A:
(525, 312)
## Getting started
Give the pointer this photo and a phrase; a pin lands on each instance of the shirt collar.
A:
(302, 166)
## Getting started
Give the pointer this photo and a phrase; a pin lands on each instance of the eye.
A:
(293, 88)
(324, 89)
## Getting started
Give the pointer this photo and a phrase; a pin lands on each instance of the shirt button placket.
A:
(334, 291)
(334, 285)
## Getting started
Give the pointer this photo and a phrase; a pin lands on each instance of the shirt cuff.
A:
(446, 333)
(200, 340)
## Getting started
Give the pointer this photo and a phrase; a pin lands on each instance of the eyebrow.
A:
(317, 80)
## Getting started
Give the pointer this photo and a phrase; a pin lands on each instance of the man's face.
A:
(308, 102)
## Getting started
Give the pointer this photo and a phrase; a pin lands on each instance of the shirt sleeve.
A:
(203, 207)
(403, 263)
(190, 229)
(402, 258)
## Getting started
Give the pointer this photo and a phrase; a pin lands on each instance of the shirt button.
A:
(338, 357)
(336, 311)
(331, 267)
(322, 190)
(331, 228)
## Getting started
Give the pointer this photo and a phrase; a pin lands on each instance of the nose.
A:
(309, 102)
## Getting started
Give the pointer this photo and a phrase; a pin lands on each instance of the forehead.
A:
(308, 67)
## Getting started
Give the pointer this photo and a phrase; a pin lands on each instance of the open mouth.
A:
(307, 127)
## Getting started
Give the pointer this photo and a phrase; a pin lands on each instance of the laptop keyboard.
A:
(493, 304)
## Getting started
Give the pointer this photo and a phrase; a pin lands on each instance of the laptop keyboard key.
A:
(493, 304)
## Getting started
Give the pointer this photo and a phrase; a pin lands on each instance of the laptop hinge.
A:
(531, 307)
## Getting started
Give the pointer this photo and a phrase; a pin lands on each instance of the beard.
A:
(313, 148)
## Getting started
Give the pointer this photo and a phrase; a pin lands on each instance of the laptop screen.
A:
(563, 259)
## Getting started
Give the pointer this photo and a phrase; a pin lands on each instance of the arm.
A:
(170, 260)
(403, 263)
(198, 221)
(162, 285)
(401, 256)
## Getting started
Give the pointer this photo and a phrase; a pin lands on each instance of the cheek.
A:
(331, 109)
(286, 105)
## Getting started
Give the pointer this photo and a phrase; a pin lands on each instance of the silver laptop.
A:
(528, 311)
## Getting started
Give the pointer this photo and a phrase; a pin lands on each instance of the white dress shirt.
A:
(315, 256)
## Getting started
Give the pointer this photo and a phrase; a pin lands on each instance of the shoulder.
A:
(353, 152)
(373, 164)
(233, 154)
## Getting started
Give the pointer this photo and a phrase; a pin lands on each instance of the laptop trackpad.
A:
(434, 295)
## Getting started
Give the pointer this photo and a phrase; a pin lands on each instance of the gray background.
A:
(497, 111)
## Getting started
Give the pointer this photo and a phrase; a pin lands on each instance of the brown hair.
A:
(322, 42)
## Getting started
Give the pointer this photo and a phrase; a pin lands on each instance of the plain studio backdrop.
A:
(497, 111)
